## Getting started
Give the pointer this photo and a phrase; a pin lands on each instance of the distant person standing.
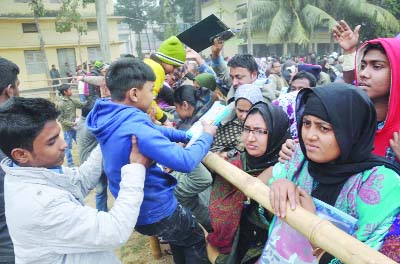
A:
(55, 75)
(276, 75)
(67, 106)
(67, 72)
(94, 90)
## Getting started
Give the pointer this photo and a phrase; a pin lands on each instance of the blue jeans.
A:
(69, 135)
(183, 233)
(101, 193)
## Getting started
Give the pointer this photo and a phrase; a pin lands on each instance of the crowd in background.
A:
(310, 127)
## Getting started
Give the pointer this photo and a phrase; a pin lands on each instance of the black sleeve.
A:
(327, 258)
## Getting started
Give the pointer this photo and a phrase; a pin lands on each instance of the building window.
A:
(91, 26)
(34, 62)
(94, 54)
(29, 28)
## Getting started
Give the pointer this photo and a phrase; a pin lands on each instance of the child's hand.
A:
(210, 129)
(306, 201)
(281, 191)
(193, 55)
(168, 123)
(136, 156)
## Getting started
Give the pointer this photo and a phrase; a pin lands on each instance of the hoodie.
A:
(114, 124)
(392, 121)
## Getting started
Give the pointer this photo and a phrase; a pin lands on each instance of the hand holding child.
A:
(136, 156)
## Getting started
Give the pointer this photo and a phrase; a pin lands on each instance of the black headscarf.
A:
(278, 131)
(353, 118)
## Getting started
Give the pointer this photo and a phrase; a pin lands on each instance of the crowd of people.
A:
(318, 135)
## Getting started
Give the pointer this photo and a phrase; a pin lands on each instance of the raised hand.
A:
(216, 48)
(345, 37)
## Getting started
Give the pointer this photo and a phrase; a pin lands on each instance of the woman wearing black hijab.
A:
(240, 224)
(336, 125)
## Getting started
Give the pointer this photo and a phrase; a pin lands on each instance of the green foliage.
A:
(37, 7)
(288, 20)
(134, 12)
(170, 14)
(139, 51)
(381, 19)
(293, 20)
(392, 5)
(186, 8)
(69, 17)
(85, 2)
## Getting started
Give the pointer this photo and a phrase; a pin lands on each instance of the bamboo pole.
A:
(321, 233)
(155, 247)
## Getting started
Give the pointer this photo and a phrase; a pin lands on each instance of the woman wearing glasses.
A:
(240, 225)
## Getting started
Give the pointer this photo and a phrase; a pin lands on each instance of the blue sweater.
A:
(113, 125)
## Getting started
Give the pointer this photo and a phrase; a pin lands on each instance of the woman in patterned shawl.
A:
(240, 224)
(336, 125)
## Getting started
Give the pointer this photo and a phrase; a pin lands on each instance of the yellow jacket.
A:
(160, 77)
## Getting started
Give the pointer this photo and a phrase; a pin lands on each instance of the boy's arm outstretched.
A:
(155, 145)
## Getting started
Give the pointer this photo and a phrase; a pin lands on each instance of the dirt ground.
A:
(137, 249)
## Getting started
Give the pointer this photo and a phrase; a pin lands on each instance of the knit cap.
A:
(206, 80)
(249, 92)
(310, 68)
(99, 65)
(172, 52)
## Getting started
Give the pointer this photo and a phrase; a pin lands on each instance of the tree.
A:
(69, 18)
(287, 21)
(170, 13)
(295, 20)
(372, 15)
(389, 21)
(38, 11)
(187, 10)
(155, 15)
(134, 12)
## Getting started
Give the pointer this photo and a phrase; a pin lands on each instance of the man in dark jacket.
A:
(8, 87)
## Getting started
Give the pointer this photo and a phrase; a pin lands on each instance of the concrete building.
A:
(19, 40)
(226, 10)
